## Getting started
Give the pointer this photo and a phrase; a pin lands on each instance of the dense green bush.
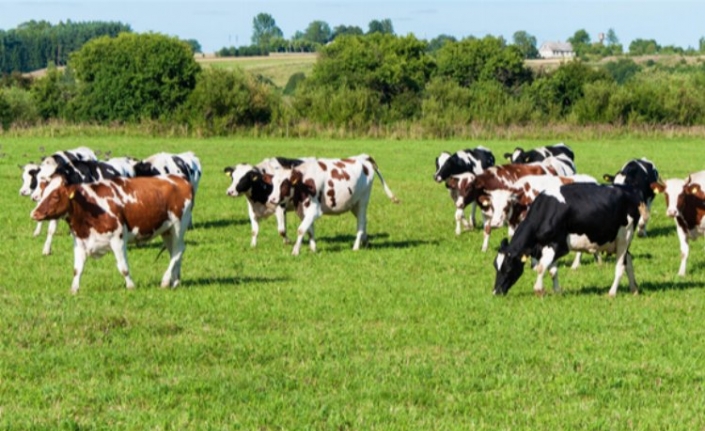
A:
(224, 101)
(20, 107)
(133, 77)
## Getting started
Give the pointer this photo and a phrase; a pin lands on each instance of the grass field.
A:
(402, 335)
(276, 67)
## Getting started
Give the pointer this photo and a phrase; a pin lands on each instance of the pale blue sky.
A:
(216, 24)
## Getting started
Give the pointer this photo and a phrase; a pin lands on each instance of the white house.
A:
(556, 50)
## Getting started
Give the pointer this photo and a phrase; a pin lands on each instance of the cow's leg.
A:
(459, 220)
(309, 216)
(360, 212)
(50, 235)
(254, 222)
(175, 245)
(280, 214)
(487, 229)
(646, 211)
(553, 270)
(119, 247)
(685, 249)
(38, 229)
(633, 287)
(548, 255)
(576, 261)
(79, 260)
(473, 209)
(622, 244)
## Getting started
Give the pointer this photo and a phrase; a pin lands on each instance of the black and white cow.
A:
(540, 153)
(124, 165)
(29, 184)
(473, 161)
(640, 174)
(581, 217)
(185, 165)
(255, 183)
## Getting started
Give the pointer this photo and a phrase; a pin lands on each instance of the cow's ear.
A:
(524, 258)
(72, 194)
(608, 178)
(694, 189)
(254, 177)
(507, 156)
(504, 244)
(228, 171)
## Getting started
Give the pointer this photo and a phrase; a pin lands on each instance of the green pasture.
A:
(403, 335)
(277, 67)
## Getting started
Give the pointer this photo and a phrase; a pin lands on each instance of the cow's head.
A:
(242, 176)
(673, 191)
(509, 266)
(441, 169)
(55, 200)
(29, 178)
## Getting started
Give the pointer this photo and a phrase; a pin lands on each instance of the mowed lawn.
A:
(404, 334)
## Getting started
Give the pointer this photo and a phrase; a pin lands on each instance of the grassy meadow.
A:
(402, 335)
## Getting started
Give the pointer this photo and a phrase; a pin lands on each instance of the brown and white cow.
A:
(685, 203)
(482, 187)
(106, 215)
(328, 186)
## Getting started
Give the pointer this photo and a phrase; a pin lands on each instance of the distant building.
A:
(556, 50)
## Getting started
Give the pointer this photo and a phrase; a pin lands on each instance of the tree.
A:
(133, 77)
(195, 46)
(644, 47)
(437, 43)
(344, 29)
(264, 29)
(526, 44)
(318, 32)
(385, 27)
(580, 42)
(612, 38)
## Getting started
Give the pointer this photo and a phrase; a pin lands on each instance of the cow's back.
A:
(148, 203)
(340, 184)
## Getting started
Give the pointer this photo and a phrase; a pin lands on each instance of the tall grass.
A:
(402, 335)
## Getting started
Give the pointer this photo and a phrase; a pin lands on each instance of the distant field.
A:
(403, 335)
(277, 67)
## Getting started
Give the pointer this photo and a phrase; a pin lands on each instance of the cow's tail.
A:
(387, 190)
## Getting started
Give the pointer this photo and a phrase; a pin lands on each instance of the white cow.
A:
(329, 186)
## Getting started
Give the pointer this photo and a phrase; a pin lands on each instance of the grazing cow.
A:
(580, 216)
(328, 186)
(685, 203)
(255, 183)
(106, 215)
(640, 174)
(75, 172)
(540, 153)
(479, 188)
(473, 161)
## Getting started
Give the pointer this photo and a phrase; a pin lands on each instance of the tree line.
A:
(359, 83)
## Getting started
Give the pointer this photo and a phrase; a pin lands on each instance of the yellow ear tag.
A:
(485, 204)
(295, 181)
(656, 191)
(255, 178)
(524, 258)
(694, 190)
(227, 174)
(72, 194)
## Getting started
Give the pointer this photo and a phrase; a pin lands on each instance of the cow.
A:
(186, 165)
(60, 158)
(540, 153)
(328, 186)
(106, 215)
(581, 217)
(75, 172)
(640, 174)
(473, 161)
(254, 182)
(479, 188)
(685, 204)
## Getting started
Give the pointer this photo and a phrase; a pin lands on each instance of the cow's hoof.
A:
(540, 293)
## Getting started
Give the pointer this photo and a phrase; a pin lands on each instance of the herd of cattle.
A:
(549, 208)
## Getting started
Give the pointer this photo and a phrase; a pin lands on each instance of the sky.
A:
(217, 24)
